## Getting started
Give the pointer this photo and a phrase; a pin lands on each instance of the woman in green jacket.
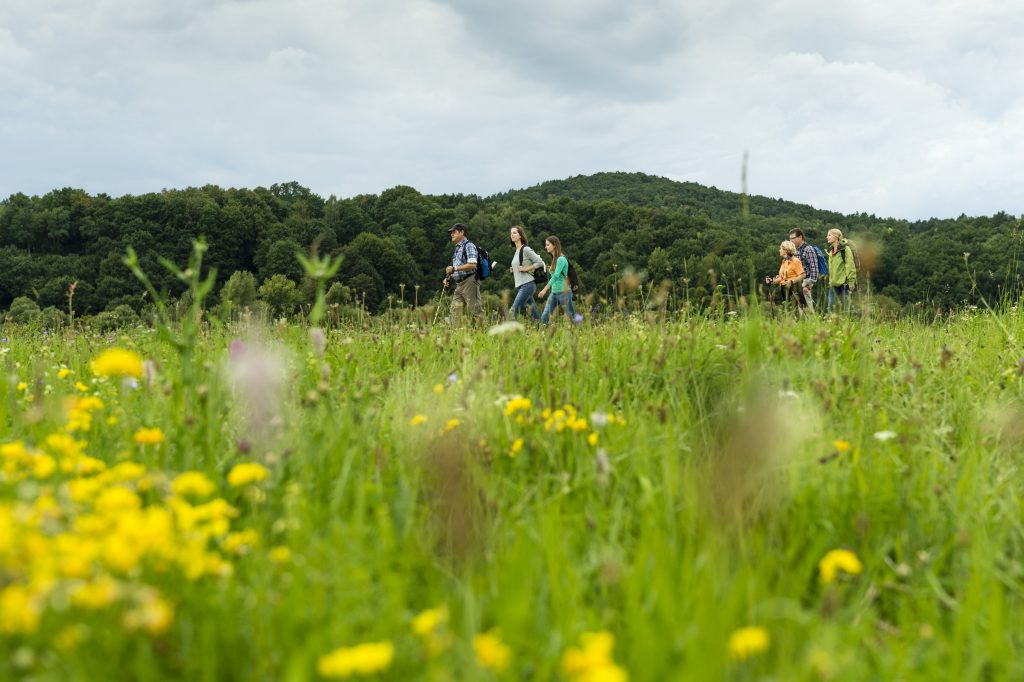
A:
(842, 269)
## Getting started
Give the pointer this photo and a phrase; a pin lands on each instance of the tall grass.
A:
(751, 446)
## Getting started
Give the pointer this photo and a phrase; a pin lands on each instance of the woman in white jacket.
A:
(524, 262)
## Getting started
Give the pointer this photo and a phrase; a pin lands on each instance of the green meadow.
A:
(744, 496)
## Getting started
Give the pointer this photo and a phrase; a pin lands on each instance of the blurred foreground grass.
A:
(694, 499)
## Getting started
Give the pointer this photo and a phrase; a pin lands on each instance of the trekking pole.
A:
(440, 301)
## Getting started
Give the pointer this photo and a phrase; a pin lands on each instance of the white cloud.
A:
(909, 108)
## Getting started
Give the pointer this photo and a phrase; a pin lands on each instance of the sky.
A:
(901, 108)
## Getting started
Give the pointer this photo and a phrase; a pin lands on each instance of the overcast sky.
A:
(904, 108)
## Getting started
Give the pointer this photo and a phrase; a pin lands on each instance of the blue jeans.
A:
(524, 300)
(841, 294)
(563, 300)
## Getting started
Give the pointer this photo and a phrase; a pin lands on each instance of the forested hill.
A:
(640, 189)
(395, 244)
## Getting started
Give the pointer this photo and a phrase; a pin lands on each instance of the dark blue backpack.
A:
(822, 261)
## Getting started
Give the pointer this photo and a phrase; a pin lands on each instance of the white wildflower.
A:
(509, 327)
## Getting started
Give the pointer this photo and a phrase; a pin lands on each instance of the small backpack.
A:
(822, 262)
(540, 276)
(574, 279)
(856, 254)
(483, 263)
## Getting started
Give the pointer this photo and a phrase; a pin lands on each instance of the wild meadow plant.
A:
(701, 497)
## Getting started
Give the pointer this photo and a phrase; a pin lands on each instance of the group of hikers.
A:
(528, 272)
(803, 265)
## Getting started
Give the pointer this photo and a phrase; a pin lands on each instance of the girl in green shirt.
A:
(558, 285)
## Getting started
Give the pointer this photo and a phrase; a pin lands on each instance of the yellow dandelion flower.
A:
(841, 445)
(64, 444)
(80, 387)
(83, 489)
(63, 373)
(247, 473)
(452, 424)
(117, 362)
(148, 436)
(241, 542)
(86, 466)
(418, 419)
(491, 652)
(517, 445)
(592, 660)
(43, 466)
(15, 450)
(126, 471)
(592, 438)
(362, 659)
(89, 403)
(115, 501)
(518, 404)
(19, 610)
(747, 642)
(192, 483)
(438, 388)
(427, 622)
(280, 554)
(429, 626)
(22, 386)
(95, 595)
(838, 560)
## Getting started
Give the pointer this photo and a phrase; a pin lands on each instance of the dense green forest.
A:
(395, 244)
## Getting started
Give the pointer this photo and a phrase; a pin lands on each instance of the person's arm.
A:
(561, 268)
(538, 262)
(469, 265)
(851, 268)
(471, 258)
(531, 260)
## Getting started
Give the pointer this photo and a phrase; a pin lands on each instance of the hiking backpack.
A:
(574, 279)
(822, 261)
(483, 263)
(540, 277)
(853, 249)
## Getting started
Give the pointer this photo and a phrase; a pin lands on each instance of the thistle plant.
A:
(319, 269)
(183, 336)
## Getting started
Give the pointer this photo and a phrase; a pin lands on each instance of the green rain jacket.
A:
(840, 272)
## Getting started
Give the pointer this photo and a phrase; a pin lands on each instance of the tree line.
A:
(699, 240)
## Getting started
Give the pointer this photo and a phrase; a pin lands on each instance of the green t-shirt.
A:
(559, 275)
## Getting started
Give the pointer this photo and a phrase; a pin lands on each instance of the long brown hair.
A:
(522, 235)
(558, 251)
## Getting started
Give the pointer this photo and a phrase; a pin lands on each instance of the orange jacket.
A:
(790, 270)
